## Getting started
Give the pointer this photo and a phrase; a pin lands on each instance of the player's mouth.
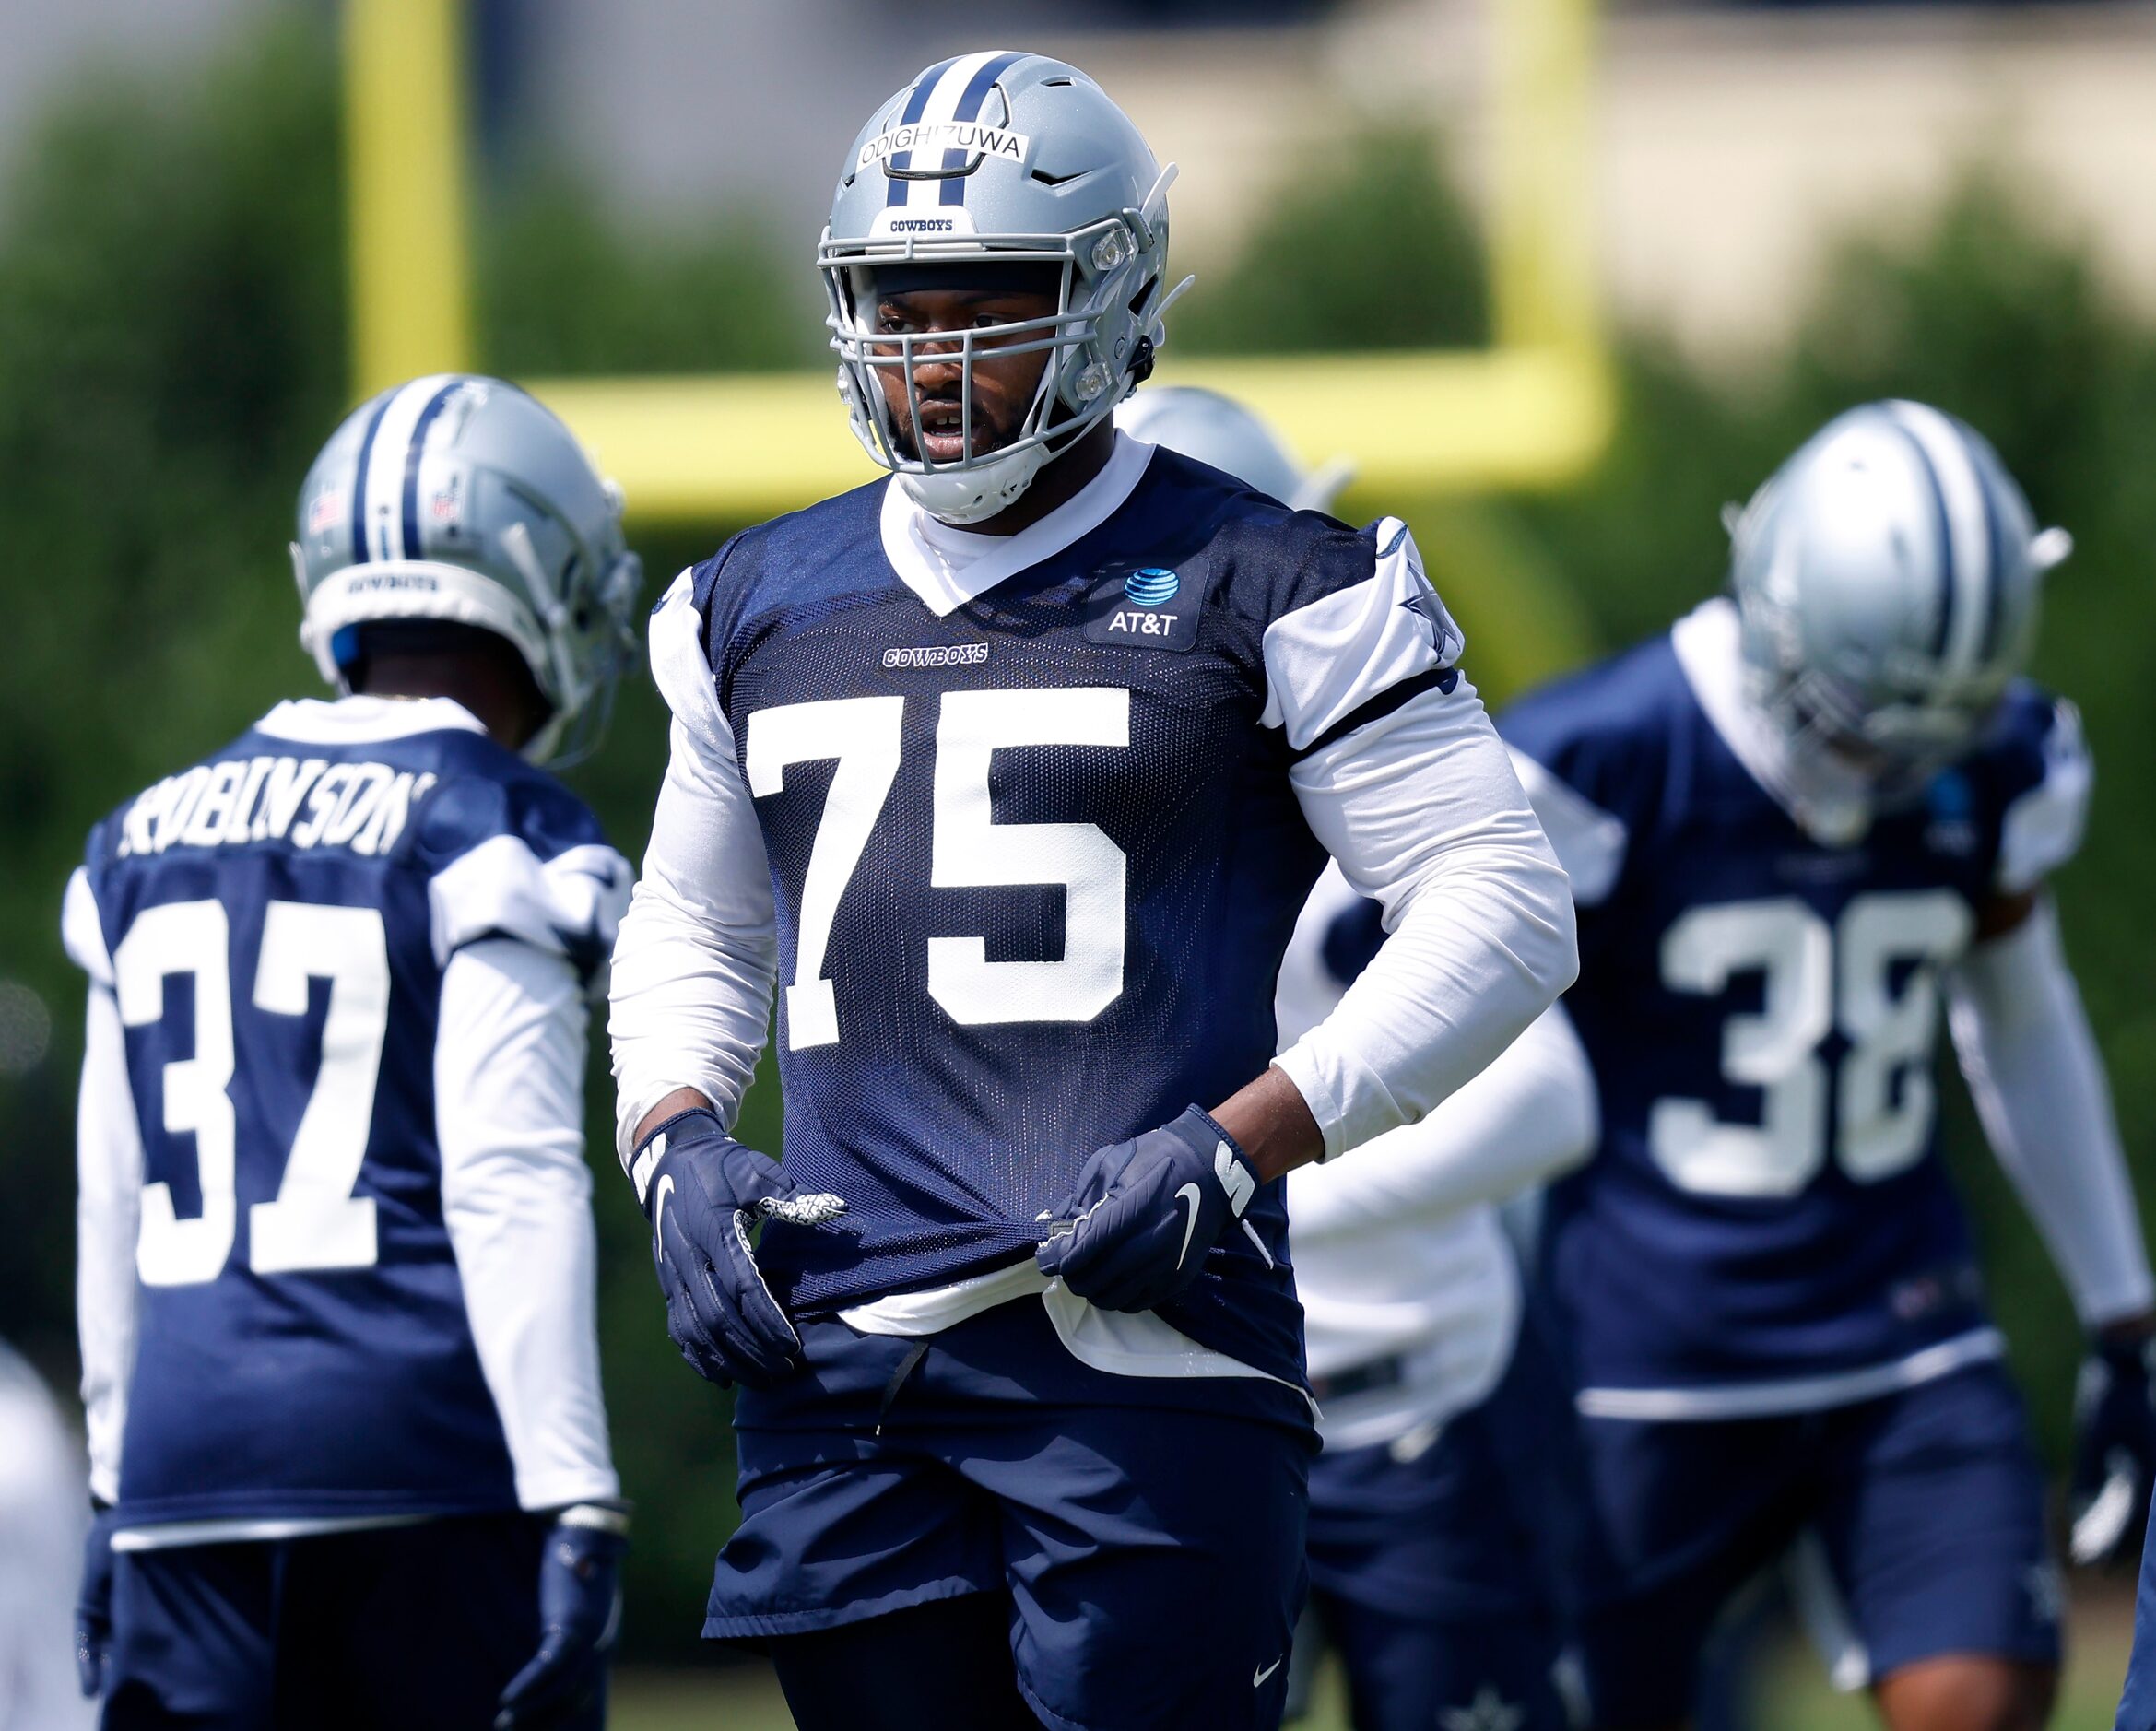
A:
(942, 430)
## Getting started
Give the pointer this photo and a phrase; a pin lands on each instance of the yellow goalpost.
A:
(1531, 411)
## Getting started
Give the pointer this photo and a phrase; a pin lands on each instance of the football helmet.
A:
(1887, 580)
(1001, 159)
(462, 498)
(1219, 430)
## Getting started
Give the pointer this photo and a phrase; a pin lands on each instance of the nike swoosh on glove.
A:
(580, 1613)
(93, 1606)
(1146, 1211)
(2115, 1453)
(702, 1192)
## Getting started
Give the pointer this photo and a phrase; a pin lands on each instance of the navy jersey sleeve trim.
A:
(1445, 679)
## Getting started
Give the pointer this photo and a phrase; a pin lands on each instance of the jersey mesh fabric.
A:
(1667, 1287)
(952, 1138)
(335, 1391)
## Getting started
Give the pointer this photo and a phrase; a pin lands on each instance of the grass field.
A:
(1795, 1696)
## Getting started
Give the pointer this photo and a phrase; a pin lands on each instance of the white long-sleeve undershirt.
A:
(509, 1066)
(2031, 1064)
(698, 957)
(1530, 1115)
(1398, 1253)
(1423, 813)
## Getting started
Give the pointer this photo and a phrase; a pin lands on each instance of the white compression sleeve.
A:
(108, 1213)
(1527, 1117)
(698, 954)
(1424, 814)
(2031, 1064)
(509, 1066)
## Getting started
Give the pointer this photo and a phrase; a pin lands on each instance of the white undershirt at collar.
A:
(1831, 803)
(947, 566)
(365, 721)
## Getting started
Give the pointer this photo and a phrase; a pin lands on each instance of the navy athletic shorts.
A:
(419, 1627)
(1145, 1531)
(1928, 1505)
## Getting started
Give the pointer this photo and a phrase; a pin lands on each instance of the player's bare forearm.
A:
(1272, 1123)
(2004, 914)
(2128, 1330)
(681, 1099)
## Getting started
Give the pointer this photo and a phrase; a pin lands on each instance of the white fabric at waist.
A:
(1121, 1343)
(237, 1530)
(1443, 1373)
(1797, 1394)
(1375, 1290)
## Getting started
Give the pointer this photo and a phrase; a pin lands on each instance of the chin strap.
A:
(973, 495)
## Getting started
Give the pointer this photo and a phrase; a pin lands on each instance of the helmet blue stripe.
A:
(1946, 541)
(418, 439)
(359, 478)
(916, 105)
(969, 105)
(1997, 592)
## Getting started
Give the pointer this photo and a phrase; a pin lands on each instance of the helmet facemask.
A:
(1886, 728)
(590, 634)
(1098, 343)
(1895, 746)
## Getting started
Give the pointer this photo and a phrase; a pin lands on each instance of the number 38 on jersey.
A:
(1873, 976)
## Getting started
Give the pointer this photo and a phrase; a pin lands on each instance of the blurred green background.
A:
(172, 351)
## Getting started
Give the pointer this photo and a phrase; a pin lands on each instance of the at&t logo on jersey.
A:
(1149, 608)
(1138, 622)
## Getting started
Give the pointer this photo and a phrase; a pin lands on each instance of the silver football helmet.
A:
(1219, 430)
(1007, 159)
(462, 498)
(1887, 580)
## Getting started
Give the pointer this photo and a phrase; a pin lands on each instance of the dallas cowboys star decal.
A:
(1425, 605)
(1444, 637)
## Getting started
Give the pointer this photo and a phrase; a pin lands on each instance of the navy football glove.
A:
(702, 1192)
(580, 1611)
(2115, 1452)
(1146, 1211)
(93, 1605)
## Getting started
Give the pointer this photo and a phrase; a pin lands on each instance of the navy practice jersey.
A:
(1761, 1012)
(1035, 861)
(274, 924)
